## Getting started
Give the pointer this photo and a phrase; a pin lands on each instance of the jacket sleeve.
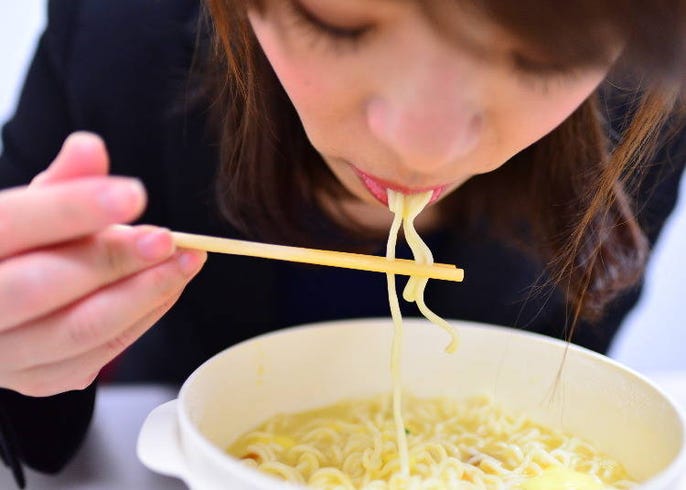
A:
(43, 433)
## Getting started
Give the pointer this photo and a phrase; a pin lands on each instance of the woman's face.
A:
(391, 101)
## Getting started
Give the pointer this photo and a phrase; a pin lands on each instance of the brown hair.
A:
(578, 211)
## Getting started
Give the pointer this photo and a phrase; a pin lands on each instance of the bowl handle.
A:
(159, 446)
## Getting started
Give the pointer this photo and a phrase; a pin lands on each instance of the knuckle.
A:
(84, 328)
(72, 210)
(117, 344)
(170, 302)
(166, 279)
(24, 289)
(85, 382)
(114, 258)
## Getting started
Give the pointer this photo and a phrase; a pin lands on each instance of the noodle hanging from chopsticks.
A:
(405, 209)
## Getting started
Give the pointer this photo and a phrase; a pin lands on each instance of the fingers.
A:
(31, 218)
(83, 155)
(79, 372)
(35, 283)
(100, 318)
(75, 292)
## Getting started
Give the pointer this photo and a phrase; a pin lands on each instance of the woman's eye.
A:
(531, 66)
(540, 75)
(335, 33)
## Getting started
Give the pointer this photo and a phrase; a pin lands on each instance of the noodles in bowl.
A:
(468, 445)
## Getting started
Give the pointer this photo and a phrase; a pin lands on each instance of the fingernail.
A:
(190, 262)
(155, 245)
(83, 138)
(122, 199)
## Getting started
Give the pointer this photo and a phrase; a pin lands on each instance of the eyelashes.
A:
(336, 36)
(541, 75)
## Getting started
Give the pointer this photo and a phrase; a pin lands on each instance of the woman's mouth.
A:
(379, 187)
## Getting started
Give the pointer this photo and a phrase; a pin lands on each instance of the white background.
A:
(653, 337)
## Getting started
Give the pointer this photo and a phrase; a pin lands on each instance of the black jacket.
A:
(120, 69)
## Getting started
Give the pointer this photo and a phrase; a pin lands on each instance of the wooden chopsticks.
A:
(347, 260)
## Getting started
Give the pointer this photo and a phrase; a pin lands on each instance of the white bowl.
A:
(620, 412)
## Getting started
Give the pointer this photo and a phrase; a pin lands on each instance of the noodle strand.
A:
(396, 205)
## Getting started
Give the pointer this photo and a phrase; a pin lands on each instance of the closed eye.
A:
(334, 32)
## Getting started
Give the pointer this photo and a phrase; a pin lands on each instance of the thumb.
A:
(82, 155)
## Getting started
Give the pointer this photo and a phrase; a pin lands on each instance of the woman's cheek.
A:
(315, 89)
(296, 71)
(537, 112)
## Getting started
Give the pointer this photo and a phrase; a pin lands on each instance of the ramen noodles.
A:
(406, 443)
(471, 444)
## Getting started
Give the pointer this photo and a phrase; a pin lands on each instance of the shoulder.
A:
(117, 24)
(131, 26)
(124, 72)
(124, 48)
(101, 19)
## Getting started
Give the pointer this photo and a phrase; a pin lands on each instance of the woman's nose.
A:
(427, 124)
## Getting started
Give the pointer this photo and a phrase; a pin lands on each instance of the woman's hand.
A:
(73, 292)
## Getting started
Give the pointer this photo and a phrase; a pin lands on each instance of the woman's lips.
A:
(379, 187)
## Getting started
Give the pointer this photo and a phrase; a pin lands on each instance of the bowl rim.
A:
(669, 474)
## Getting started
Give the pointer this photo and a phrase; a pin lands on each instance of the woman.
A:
(525, 122)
